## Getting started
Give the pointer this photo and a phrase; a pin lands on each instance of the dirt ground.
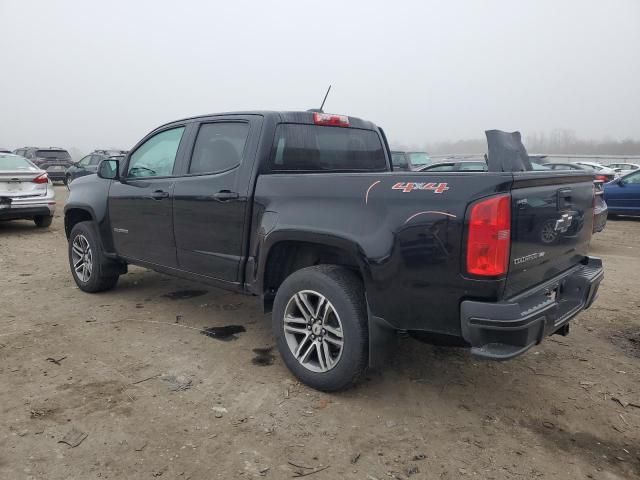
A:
(157, 399)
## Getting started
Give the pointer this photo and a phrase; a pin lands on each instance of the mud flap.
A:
(382, 340)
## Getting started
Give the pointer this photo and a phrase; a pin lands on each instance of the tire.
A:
(43, 221)
(95, 272)
(312, 332)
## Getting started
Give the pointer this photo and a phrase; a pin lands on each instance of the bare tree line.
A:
(557, 141)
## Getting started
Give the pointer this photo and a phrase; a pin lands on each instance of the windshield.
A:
(57, 154)
(419, 159)
(14, 162)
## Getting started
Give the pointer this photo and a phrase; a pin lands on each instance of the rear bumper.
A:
(24, 212)
(15, 208)
(504, 330)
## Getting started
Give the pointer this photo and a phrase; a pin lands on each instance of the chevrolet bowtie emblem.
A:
(563, 223)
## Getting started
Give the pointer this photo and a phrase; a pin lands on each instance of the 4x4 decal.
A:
(409, 186)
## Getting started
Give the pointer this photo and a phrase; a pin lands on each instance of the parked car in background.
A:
(400, 161)
(418, 160)
(603, 175)
(624, 168)
(467, 164)
(89, 164)
(601, 170)
(456, 166)
(409, 161)
(600, 207)
(25, 191)
(4, 150)
(623, 195)
(53, 160)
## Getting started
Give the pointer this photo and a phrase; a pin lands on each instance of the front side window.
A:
(315, 148)
(219, 147)
(156, 156)
(95, 159)
(85, 161)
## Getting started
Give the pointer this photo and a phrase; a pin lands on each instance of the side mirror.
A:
(621, 183)
(109, 168)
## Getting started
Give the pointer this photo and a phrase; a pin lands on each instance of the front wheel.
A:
(91, 270)
(320, 323)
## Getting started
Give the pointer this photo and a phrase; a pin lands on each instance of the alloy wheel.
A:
(313, 331)
(82, 258)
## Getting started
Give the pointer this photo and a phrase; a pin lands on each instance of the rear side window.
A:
(314, 148)
(219, 147)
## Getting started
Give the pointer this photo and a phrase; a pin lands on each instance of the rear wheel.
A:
(320, 323)
(91, 270)
(43, 221)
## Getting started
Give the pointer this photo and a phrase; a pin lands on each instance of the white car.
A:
(599, 168)
(26, 192)
(624, 168)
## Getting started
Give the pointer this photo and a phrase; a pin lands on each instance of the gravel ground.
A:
(131, 370)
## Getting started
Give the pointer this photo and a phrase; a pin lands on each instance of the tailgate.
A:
(20, 183)
(551, 226)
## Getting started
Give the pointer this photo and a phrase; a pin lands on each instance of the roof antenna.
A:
(319, 110)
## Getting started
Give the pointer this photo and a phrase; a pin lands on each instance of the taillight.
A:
(602, 178)
(44, 178)
(329, 119)
(489, 236)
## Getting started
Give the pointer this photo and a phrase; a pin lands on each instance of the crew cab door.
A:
(141, 204)
(211, 197)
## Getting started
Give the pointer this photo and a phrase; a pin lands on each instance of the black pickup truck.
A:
(304, 210)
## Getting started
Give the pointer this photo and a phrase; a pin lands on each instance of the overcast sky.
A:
(91, 74)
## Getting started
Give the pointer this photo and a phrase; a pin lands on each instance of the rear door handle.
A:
(159, 194)
(224, 195)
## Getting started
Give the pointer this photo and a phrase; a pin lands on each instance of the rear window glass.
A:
(57, 154)
(14, 162)
(319, 148)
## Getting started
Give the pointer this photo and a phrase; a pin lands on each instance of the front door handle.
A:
(224, 195)
(159, 194)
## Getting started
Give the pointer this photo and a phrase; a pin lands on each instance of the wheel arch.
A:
(74, 215)
(285, 253)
